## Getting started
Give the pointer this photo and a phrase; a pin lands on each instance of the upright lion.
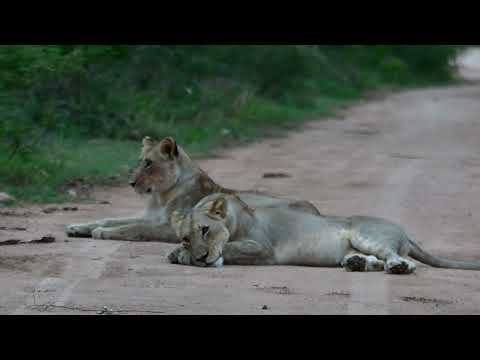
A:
(222, 229)
(173, 182)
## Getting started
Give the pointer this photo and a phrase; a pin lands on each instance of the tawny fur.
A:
(222, 229)
(173, 182)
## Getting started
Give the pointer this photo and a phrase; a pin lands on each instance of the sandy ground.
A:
(413, 158)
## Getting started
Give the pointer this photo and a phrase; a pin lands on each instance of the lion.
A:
(223, 230)
(173, 182)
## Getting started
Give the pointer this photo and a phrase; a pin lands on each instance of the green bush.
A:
(52, 95)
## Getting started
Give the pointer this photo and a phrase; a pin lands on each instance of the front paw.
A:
(100, 234)
(173, 256)
(180, 256)
(217, 264)
(78, 231)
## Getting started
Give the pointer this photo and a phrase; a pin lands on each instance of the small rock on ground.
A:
(5, 198)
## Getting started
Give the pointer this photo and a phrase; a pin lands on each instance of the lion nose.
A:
(133, 184)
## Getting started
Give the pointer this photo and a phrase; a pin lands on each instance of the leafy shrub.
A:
(201, 94)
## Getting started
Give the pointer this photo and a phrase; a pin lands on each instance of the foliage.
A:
(54, 96)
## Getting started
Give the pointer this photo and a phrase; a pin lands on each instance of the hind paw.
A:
(400, 267)
(355, 263)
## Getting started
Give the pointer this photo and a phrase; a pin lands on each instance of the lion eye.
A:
(205, 230)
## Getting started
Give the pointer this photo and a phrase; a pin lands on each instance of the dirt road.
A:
(413, 158)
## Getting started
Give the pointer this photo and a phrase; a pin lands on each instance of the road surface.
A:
(412, 157)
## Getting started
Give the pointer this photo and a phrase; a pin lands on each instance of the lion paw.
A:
(100, 234)
(400, 267)
(180, 256)
(218, 264)
(356, 263)
(78, 231)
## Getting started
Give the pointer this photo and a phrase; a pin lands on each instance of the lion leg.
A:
(357, 262)
(247, 252)
(180, 256)
(305, 206)
(137, 232)
(389, 250)
(85, 230)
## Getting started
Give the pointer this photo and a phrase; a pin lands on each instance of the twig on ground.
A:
(104, 311)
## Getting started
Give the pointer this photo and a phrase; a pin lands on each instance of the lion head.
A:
(159, 168)
(204, 230)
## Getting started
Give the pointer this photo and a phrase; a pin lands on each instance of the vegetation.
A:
(80, 111)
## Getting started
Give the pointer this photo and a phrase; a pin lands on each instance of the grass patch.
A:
(80, 111)
(40, 177)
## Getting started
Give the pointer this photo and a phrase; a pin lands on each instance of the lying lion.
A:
(174, 183)
(222, 229)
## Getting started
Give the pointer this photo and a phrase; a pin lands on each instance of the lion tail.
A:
(419, 254)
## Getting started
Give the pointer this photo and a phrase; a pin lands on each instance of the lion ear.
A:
(148, 143)
(169, 147)
(219, 208)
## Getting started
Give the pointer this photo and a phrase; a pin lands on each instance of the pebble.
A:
(5, 198)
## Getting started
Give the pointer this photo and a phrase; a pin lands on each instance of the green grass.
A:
(80, 111)
(39, 177)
